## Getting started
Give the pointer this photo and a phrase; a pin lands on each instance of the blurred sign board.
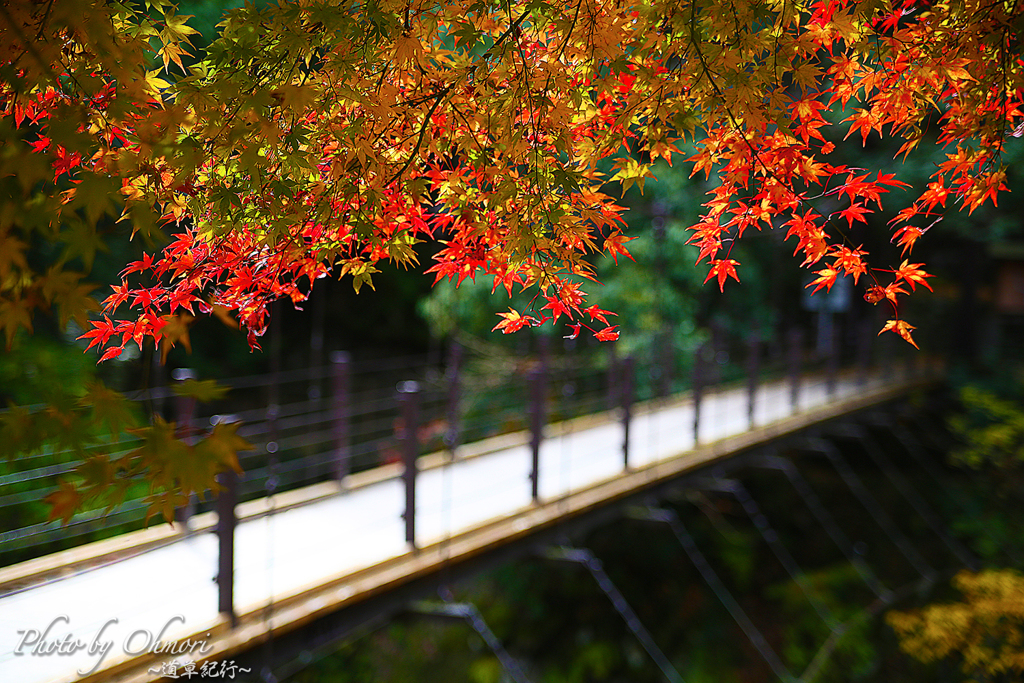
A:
(835, 300)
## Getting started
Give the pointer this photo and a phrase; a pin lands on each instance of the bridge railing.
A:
(324, 423)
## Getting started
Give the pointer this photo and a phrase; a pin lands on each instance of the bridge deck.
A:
(342, 545)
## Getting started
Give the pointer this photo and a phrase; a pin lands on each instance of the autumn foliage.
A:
(312, 138)
(984, 630)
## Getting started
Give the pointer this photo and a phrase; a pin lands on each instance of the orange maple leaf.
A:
(722, 269)
(63, 502)
(912, 273)
(513, 321)
(613, 245)
(902, 328)
(826, 278)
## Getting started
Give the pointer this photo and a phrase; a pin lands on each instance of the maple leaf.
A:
(722, 269)
(902, 328)
(203, 391)
(174, 330)
(431, 128)
(607, 334)
(222, 445)
(112, 352)
(850, 261)
(826, 278)
(906, 237)
(892, 290)
(222, 314)
(874, 294)
(855, 212)
(557, 307)
(613, 244)
(596, 313)
(65, 162)
(14, 314)
(108, 407)
(63, 502)
(912, 273)
(631, 172)
(513, 322)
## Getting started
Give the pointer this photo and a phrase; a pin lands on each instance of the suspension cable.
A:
(854, 483)
(587, 558)
(826, 520)
(753, 634)
(771, 537)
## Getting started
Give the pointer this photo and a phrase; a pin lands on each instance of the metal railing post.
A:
(226, 523)
(408, 403)
(796, 342)
(341, 381)
(832, 362)
(628, 371)
(451, 437)
(753, 373)
(613, 377)
(536, 382)
(184, 416)
(698, 389)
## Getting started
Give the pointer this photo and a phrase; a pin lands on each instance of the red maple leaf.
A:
(65, 162)
(722, 269)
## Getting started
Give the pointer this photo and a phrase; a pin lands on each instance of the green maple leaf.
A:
(203, 391)
(109, 408)
(223, 444)
(14, 314)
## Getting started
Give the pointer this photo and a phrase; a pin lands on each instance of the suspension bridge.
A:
(310, 545)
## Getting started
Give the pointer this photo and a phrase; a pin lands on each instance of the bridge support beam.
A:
(827, 521)
(737, 490)
(874, 508)
(876, 452)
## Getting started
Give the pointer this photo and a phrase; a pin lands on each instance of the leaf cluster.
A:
(984, 630)
(312, 138)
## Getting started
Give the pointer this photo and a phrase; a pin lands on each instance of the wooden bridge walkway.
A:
(119, 610)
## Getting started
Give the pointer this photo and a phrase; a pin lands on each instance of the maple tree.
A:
(308, 139)
(312, 138)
